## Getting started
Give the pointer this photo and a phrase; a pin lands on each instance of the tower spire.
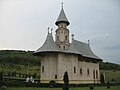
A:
(62, 17)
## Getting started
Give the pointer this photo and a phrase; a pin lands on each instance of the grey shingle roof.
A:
(49, 45)
(73, 49)
(62, 18)
(84, 49)
(76, 47)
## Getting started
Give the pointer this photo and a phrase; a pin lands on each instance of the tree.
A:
(102, 78)
(65, 78)
(66, 81)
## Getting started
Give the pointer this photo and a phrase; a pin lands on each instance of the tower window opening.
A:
(57, 37)
(66, 37)
(59, 47)
(63, 47)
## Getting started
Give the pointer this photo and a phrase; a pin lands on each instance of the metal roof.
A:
(62, 18)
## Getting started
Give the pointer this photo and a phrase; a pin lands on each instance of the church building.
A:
(61, 55)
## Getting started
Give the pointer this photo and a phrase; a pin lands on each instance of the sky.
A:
(24, 23)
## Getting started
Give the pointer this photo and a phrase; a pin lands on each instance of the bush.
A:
(91, 87)
(102, 80)
(52, 83)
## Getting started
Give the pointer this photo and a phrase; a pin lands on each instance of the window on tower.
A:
(59, 47)
(63, 47)
(66, 37)
(57, 37)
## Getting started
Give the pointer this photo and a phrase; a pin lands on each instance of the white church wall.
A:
(49, 62)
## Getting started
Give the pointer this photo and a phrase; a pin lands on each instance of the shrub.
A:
(66, 81)
(102, 78)
(52, 83)
(91, 87)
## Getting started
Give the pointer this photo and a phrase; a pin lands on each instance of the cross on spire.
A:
(62, 4)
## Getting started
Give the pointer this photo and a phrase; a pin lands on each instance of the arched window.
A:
(93, 74)
(66, 37)
(80, 70)
(96, 74)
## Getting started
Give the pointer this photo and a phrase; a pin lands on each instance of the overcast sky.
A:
(24, 23)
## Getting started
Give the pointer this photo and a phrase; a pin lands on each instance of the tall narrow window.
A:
(74, 70)
(55, 76)
(88, 72)
(80, 70)
(96, 74)
(57, 37)
(66, 37)
(42, 69)
(93, 74)
(63, 47)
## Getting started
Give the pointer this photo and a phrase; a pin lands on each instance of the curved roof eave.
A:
(48, 46)
(84, 49)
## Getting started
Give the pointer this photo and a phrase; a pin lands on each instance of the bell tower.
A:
(62, 33)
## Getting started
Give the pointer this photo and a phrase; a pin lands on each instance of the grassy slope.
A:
(82, 88)
(111, 75)
(23, 69)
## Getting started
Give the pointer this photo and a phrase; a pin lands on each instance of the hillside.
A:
(26, 57)
(18, 57)
(16, 63)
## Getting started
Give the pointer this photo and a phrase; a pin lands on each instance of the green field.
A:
(82, 88)
(111, 75)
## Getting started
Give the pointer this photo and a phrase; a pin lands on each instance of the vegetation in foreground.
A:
(80, 88)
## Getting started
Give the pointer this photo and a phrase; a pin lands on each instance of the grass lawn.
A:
(82, 88)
